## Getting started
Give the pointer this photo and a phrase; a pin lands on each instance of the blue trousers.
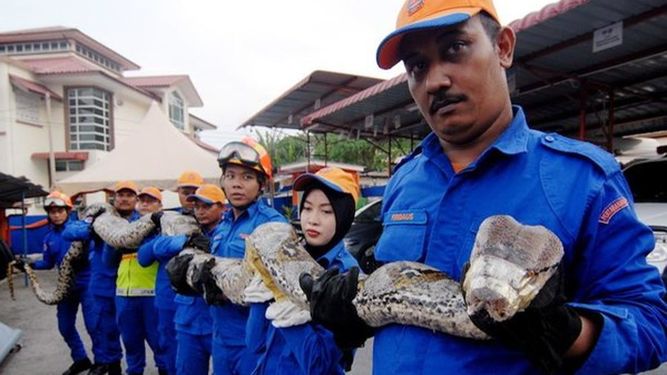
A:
(66, 314)
(105, 334)
(193, 353)
(167, 337)
(137, 323)
(232, 360)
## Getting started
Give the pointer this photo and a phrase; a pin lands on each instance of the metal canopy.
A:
(15, 189)
(562, 85)
(317, 90)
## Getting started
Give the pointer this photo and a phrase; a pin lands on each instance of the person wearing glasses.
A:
(58, 207)
(246, 171)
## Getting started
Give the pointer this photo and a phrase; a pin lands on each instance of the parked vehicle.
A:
(364, 234)
(648, 182)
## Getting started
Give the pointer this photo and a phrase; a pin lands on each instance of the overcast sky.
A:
(240, 55)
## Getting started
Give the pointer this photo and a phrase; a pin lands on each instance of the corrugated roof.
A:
(315, 91)
(554, 59)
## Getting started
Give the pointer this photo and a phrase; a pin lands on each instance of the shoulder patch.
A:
(601, 158)
(612, 209)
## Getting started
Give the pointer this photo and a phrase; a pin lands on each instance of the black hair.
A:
(490, 25)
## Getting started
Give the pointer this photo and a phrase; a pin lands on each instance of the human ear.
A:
(505, 44)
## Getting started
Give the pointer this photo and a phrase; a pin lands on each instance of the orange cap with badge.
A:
(57, 199)
(126, 185)
(189, 179)
(416, 15)
(151, 191)
(334, 178)
(208, 193)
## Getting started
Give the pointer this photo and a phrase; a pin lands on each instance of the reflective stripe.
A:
(135, 292)
(129, 256)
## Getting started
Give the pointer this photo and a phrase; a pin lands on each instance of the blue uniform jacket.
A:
(302, 349)
(164, 294)
(102, 275)
(431, 214)
(229, 320)
(192, 313)
(55, 248)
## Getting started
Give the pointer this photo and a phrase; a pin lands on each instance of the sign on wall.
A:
(608, 37)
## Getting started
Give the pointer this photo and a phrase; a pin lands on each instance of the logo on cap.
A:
(414, 6)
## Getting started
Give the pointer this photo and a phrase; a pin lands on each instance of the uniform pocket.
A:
(403, 236)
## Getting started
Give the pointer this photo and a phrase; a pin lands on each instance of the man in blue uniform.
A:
(481, 159)
(192, 318)
(187, 183)
(58, 207)
(246, 170)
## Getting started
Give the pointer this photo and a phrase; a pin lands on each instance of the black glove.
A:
(206, 283)
(91, 218)
(155, 218)
(19, 264)
(330, 298)
(177, 269)
(198, 241)
(124, 250)
(544, 331)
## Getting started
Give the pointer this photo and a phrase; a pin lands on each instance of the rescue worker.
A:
(481, 159)
(246, 170)
(58, 207)
(192, 319)
(187, 184)
(102, 287)
(135, 286)
(326, 212)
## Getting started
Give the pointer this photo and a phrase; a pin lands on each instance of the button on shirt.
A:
(431, 214)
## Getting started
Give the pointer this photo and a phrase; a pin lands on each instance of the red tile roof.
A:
(33, 87)
(80, 155)
(60, 65)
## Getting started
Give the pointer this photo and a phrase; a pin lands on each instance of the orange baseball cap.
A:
(418, 15)
(126, 185)
(334, 178)
(57, 199)
(189, 179)
(151, 191)
(208, 193)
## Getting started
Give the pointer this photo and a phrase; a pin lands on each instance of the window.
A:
(89, 119)
(29, 47)
(69, 165)
(176, 114)
(97, 58)
(27, 107)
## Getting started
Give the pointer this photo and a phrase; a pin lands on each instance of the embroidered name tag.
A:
(408, 216)
(611, 210)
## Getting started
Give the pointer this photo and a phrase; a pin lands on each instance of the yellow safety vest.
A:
(133, 279)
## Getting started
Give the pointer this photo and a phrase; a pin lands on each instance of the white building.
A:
(61, 81)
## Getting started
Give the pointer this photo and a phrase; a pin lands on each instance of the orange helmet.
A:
(248, 153)
(57, 199)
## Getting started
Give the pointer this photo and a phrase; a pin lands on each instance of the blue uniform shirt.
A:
(55, 248)
(303, 349)
(431, 214)
(229, 320)
(111, 257)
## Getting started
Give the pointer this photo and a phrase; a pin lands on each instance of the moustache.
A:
(444, 100)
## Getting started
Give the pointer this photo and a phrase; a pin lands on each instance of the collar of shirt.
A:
(250, 211)
(514, 140)
(328, 259)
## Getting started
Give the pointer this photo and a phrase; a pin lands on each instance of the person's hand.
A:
(198, 241)
(330, 298)
(544, 331)
(177, 269)
(155, 218)
(94, 215)
(205, 282)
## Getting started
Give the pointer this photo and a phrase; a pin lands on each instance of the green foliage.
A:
(285, 149)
